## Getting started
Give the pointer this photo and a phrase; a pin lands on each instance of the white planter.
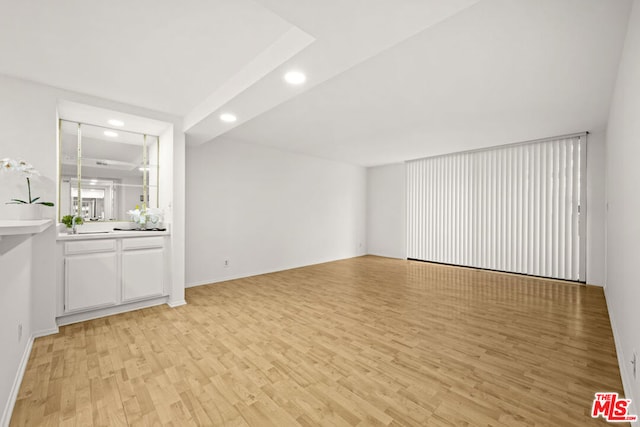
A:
(24, 212)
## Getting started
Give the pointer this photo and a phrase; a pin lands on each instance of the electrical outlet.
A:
(226, 263)
(19, 332)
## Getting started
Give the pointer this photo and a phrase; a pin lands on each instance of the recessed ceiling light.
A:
(228, 117)
(115, 122)
(295, 77)
(110, 133)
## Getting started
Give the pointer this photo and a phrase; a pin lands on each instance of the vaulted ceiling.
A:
(386, 81)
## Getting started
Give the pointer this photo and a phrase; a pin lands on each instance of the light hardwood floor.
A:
(365, 341)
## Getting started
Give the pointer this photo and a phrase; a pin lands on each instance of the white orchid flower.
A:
(10, 165)
(27, 168)
(138, 216)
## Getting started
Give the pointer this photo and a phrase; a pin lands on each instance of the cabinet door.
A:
(142, 274)
(90, 281)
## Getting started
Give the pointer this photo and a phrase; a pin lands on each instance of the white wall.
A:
(173, 202)
(596, 220)
(386, 210)
(165, 177)
(623, 215)
(24, 262)
(15, 308)
(28, 129)
(266, 210)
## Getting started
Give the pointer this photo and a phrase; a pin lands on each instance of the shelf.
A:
(17, 227)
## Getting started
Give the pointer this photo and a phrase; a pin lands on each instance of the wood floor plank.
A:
(361, 342)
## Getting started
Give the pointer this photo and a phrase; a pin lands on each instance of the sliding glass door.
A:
(516, 208)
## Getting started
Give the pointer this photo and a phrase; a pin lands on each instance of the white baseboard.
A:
(109, 311)
(15, 388)
(198, 283)
(244, 275)
(622, 364)
(174, 304)
(45, 332)
(236, 277)
(386, 255)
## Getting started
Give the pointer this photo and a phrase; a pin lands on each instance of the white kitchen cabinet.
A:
(91, 281)
(101, 276)
(142, 272)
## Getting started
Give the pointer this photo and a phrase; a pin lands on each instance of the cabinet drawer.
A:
(142, 243)
(89, 246)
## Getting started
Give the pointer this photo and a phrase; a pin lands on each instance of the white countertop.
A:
(110, 235)
(16, 227)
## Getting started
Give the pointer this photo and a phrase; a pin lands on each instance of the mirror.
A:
(106, 172)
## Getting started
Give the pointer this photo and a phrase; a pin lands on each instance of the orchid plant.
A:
(145, 216)
(138, 215)
(26, 169)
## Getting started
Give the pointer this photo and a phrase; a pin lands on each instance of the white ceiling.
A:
(160, 54)
(387, 80)
(499, 72)
(345, 33)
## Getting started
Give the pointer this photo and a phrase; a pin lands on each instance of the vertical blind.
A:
(513, 208)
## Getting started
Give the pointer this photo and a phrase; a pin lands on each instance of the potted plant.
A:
(27, 170)
(68, 220)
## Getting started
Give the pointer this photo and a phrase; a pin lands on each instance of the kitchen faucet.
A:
(74, 230)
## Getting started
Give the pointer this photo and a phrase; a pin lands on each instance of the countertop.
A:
(110, 235)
